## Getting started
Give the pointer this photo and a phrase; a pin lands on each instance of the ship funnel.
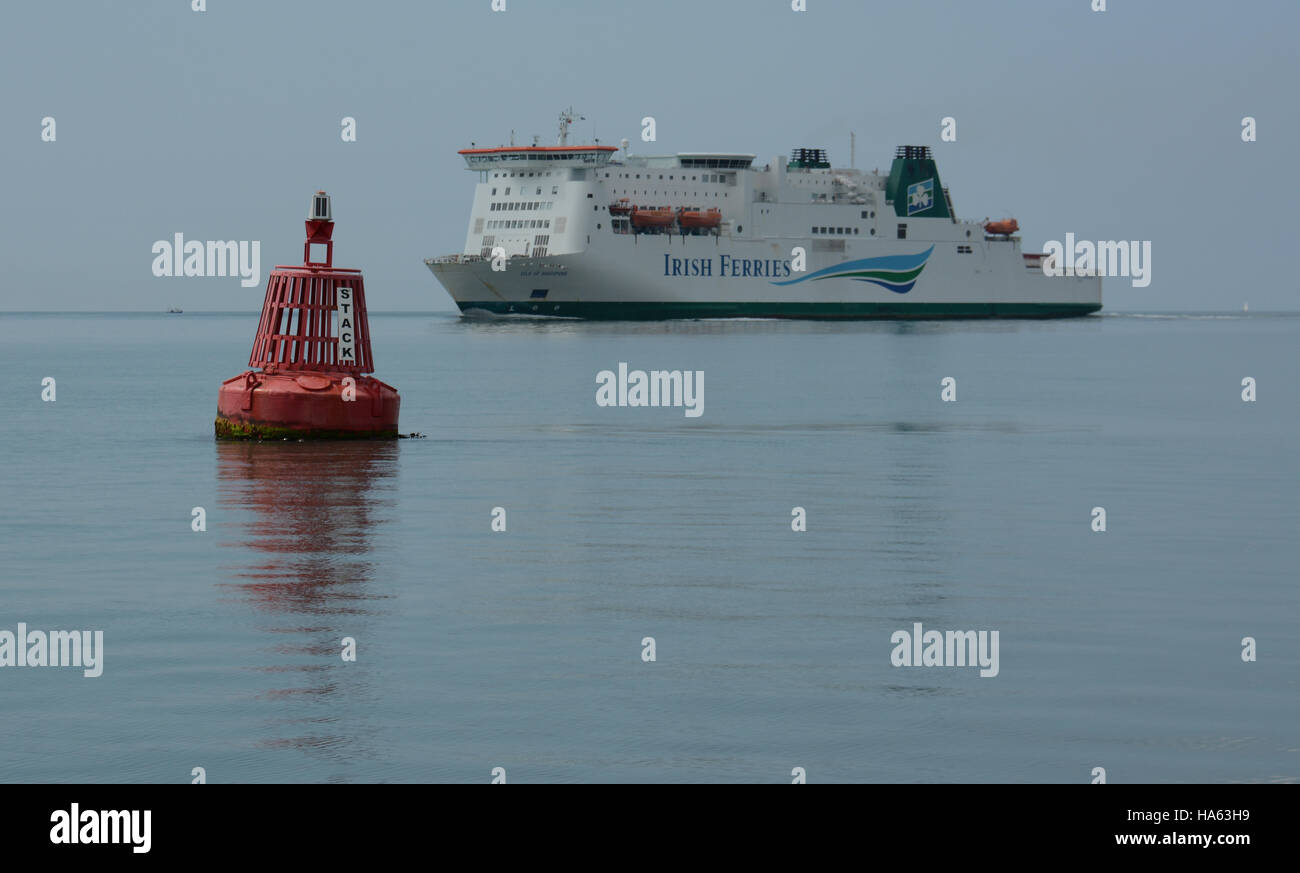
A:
(914, 187)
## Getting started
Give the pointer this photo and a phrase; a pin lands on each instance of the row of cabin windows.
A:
(726, 163)
(508, 224)
(706, 177)
(521, 206)
(666, 193)
(836, 231)
(555, 189)
(521, 174)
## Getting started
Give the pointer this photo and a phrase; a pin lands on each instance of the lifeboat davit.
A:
(1001, 228)
(620, 208)
(662, 217)
(694, 218)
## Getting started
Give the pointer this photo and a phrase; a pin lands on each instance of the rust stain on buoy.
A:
(311, 354)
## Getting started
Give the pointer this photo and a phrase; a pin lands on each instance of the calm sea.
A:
(523, 649)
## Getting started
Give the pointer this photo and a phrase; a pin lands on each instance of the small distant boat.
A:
(1001, 228)
(175, 311)
(690, 218)
(661, 217)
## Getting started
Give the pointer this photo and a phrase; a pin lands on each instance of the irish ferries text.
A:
(767, 268)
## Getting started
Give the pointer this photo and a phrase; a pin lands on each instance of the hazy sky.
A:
(1124, 124)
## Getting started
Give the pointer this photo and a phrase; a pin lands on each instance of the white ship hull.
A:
(632, 277)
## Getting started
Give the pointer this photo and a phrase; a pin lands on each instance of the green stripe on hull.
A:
(650, 311)
(899, 276)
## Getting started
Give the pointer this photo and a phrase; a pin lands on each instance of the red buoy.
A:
(311, 354)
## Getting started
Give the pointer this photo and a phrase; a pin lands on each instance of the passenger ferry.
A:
(592, 231)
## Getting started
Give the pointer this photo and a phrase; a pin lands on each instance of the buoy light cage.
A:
(320, 231)
(320, 207)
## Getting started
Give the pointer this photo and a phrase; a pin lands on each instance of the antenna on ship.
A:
(853, 150)
(566, 118)
(625, 144)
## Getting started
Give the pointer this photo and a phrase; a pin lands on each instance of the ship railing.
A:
(454, 259)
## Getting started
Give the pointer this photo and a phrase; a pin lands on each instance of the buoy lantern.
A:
(310, 356)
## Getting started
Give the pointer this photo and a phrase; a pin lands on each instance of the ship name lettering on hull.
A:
(744, 268)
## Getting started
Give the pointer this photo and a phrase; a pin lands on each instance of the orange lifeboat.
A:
(620, 208)
(1001, 228)
(690, 219)
(661, 217)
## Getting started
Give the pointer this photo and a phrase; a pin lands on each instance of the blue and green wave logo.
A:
(898, 273)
